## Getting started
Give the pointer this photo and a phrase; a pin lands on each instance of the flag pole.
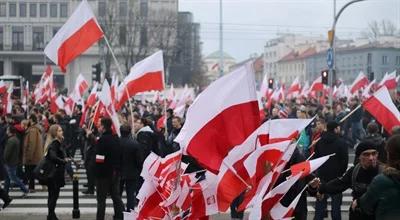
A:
(92, 121)
(237, 175)
(348, 115)
(113, 55)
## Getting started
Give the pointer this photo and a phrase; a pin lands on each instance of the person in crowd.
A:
(357, 131)
(320, 127)
(275, 113)
(108, 170)
(32, 150)
(375, 137)
(90, 161)
(358, 178)
(304, 141)
(176, 128)
(170, 114)
(331, 143)
(132, 162)
(56, 153)
(383, 194)
(6, 199)
(11, 161)
(146, 136)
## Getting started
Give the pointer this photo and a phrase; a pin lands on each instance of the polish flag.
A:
(98, 113)
(25, 95)
(114, 88)
(91, 100)
(294, 89)
(279, 211)
(264, 86)
(360, 82)
(204, 199)
(309, 166)
(59, 102)
(272, 131)
(3, 87)
(81, 85)
(381, 106)
(171, 93)
(79, 33)
(389, 80)
(105, 98)
(367, 91)
(264, 204)
(260, 107)
(221, 117)
(145, 75)
(306, 90)
(259, 163)
(9, 102)
(317, 85)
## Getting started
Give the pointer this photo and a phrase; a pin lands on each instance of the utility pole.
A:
(331, 38)
(221, 46)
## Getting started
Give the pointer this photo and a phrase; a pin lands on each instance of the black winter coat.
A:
(108, 146)
(56, 154)
(336, 165)
(132, 158)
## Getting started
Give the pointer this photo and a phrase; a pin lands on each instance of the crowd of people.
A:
(113, 164)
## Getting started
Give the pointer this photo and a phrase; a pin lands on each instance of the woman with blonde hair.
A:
(56, 154)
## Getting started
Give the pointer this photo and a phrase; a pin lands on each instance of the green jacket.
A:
(11, 151)
(383, 196)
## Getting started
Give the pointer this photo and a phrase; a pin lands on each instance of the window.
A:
(17, 38)
(38, 38)
(384, 60)
(53, 10)
(12, 10)
(1, 38)
(397, 60)
(3, 9)
(143, 8)
(102, 8)
(143, 36)
(22, 9)
(43, 10)
(123, 8)
(32, 10)
(63, 10)
(122, 35)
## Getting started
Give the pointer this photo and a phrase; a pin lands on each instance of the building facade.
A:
(212, 65)
(27, 26)
(373, 59)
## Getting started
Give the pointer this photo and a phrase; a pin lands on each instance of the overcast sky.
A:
(248, 24)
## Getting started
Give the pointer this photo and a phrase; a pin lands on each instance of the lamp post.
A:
(331, 38)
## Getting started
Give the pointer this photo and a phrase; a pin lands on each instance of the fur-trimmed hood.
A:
(392, 173)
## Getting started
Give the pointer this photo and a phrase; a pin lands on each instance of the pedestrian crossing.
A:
(36, 203)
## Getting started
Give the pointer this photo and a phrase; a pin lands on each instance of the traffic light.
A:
(324, 76)
(271, 83)
(96, 72)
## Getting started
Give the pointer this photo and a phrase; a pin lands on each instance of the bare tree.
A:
(378, 29)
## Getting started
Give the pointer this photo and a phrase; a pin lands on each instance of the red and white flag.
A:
(81, 85)
(105, 98)
(114, 89)
(381, 106)
(264, 86)
(295, 88)
(360, 82)
(9, 102)
(272, 131)
(263, 205)
(368, 90)
(305, 90)
(221, 117)
(3, 87)
(145, 75)
(204, 199)
(79, 33)
(309, 166)
(317, 85)
(279, 212)
(91, 100)
(389, 80)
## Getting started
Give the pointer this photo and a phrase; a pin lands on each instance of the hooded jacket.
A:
(383, 196)
(331, 143)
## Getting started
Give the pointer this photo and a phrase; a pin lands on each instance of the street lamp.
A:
(331, 37)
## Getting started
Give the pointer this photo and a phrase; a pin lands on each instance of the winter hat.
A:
(331, 125)
(363, 146)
